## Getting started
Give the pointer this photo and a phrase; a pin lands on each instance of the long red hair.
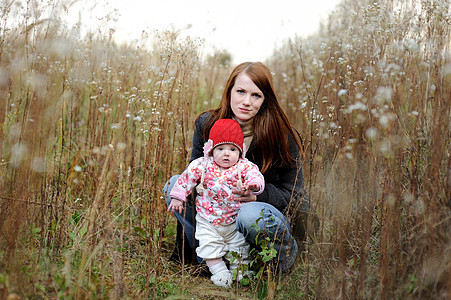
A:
(271, 125)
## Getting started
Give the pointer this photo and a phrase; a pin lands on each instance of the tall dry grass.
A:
(371, 94)
(90, 131)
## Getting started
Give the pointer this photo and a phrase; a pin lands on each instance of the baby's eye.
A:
(233, 149)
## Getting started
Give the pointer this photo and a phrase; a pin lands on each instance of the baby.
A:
(221, 170)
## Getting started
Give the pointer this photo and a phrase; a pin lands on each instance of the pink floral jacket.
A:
(215, 201)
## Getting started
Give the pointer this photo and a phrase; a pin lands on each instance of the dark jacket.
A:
(281, 183)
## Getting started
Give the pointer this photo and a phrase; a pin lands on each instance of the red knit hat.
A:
(227, 131)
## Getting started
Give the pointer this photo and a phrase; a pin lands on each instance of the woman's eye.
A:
(257, 96)
(240, 91)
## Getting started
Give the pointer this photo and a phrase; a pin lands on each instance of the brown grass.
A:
(371, 94)
(91, 130)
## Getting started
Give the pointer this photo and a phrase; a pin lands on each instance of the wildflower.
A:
(408, 197)
(38, 165)
(384, 146)
(383, 94)
(121, 146)
(357, 106)
(383, 120)
(411, 45)
(18, 153)
(341, 92)
(77, 168)
(371, 133)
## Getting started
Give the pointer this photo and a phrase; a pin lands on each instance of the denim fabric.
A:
(271, 222)
(187, 218)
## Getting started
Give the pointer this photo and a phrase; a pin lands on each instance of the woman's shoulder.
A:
(295, 142)
(203, 118)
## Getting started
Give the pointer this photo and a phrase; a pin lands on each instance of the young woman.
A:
(273, 145)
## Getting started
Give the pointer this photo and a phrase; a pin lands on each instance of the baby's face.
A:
(226, 155)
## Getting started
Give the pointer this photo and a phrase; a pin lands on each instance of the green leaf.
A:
(235, 273)
(40, 286)
(72, 236)
(245, 281)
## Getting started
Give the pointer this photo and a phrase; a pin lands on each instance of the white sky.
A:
(249, 29)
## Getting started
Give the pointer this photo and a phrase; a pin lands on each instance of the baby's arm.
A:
(176, 205)
(185, 183)
(253, 187)
(254, 180)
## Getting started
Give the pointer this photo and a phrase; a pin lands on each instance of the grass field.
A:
(91, 130)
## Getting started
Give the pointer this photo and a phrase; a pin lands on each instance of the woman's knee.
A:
(258, 213)
(249, 214)
(257, 216)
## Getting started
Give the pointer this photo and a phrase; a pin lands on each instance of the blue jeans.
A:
(271, 222)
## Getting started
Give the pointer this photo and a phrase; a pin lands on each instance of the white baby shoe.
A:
(223, 278)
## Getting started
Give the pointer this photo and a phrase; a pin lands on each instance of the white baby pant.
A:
(219, 241)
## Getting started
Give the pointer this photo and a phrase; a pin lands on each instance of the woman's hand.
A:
(244, 195)
(175, 205)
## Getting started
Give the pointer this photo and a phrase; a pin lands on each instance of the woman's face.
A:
(245, 98)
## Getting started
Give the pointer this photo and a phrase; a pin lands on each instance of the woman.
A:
(273, 145)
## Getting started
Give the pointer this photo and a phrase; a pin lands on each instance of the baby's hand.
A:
(254, 187)
(176, 205)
